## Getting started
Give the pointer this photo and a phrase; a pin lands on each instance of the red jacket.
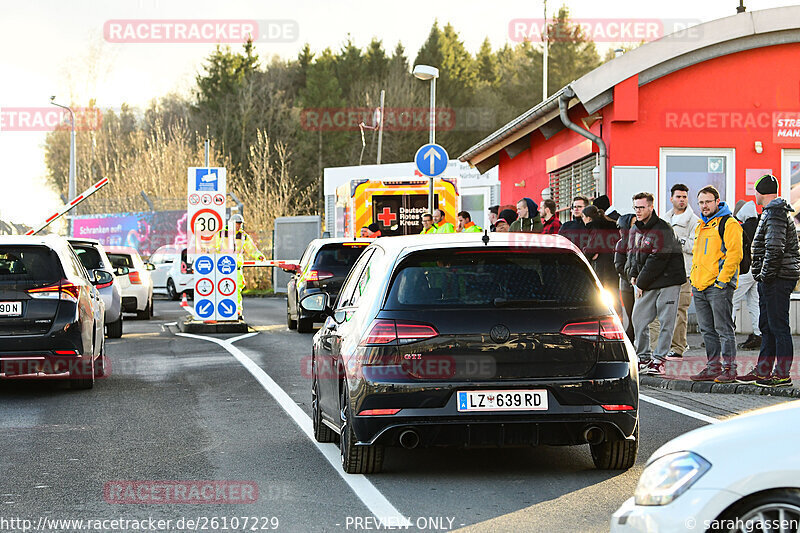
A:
(551, 226)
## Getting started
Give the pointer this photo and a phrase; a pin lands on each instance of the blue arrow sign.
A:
(226, 264)
(204, 265)
(431, 159)
(226, 308)
(204, 308)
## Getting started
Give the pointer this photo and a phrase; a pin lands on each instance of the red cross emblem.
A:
(387, 217)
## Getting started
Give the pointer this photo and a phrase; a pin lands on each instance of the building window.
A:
(696, 168)
(573, 180)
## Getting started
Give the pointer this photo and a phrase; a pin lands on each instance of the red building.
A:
(716, 104)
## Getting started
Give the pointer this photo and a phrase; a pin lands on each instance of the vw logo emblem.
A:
(499, 333)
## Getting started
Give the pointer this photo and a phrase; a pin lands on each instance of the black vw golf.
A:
(473, 340)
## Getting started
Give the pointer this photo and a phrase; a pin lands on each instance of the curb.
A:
(719, 388)
(193, 326)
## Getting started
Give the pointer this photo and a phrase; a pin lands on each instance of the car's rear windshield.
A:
(334, 256)
(38, 264)
(496, 277)
(89, 256)
(121, 260)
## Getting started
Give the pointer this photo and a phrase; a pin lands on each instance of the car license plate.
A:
(502, 400)
(10, 308)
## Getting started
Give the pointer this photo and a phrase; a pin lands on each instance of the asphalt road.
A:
(176, 408)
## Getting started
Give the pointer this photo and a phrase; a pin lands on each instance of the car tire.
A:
(322, 433)
(291, 324)
(770, 503)
(356, 459)
(147, 312)
(172, 292)
(305, 325)
(616, 455)
(114, 329)
(82, 383)
(100, 363)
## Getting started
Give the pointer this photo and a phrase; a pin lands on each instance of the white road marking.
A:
(679, 409)
(170, 323)
(242, 337)
(376, 502)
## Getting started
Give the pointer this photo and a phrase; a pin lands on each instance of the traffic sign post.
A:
(205, 204)
(431, 160)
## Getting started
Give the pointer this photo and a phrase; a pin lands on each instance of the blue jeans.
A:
(776, 335)
(714, 308)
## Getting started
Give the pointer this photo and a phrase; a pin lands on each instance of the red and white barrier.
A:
(272, 263)
(67, 207)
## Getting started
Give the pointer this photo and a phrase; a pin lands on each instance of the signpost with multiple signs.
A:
(206, 191)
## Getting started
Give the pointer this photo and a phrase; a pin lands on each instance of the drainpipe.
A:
(563, 107)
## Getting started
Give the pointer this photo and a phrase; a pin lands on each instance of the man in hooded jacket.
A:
(529, 220)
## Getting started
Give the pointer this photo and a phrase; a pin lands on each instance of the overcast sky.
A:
(41, 41)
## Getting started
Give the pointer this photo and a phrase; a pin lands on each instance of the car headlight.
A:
(668, 477)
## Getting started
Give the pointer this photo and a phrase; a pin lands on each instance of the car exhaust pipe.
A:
(409, 439)
(594, 435)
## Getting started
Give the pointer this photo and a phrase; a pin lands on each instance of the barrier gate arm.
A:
(67, 207)
(286, 263)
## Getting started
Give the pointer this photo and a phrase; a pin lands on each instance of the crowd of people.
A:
(721, 258)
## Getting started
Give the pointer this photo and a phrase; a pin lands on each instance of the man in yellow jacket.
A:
(428, 226)
(716, 255)
(466, 225)
(243, 245)
(442, 226)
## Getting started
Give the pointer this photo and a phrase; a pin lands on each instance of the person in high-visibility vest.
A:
(442, 226)
(427, 224)
(466, 225)
(243, 245)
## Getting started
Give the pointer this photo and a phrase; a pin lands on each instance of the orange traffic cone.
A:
(184, 301)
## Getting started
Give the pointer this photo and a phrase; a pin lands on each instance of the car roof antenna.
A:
(485, 237)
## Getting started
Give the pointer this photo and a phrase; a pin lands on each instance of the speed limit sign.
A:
(206, 223)
(204, 214)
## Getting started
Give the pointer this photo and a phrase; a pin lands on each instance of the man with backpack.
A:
(747, 291)
(716, 256)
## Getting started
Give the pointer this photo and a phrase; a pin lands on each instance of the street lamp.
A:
(71, 189)
(427, 72)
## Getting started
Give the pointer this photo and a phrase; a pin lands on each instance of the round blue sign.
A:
(226, 264)
(226, 308)
(431, 160)
(204, 308)
(204, 265)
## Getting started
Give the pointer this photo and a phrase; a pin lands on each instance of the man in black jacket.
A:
(624, 224)
(776, 268)
(655, 269)
(574, 229)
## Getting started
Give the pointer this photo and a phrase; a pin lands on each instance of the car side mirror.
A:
(102, 278)
(122, 271)
(317, 303)
(150, 266)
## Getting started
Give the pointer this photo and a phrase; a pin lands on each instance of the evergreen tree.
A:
(486, 63)
(377, 64)
(571, 54)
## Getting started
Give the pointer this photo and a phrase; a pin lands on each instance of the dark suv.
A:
(51, 313)
(323, 267)
(447, 340)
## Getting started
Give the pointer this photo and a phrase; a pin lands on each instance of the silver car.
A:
(93, 257)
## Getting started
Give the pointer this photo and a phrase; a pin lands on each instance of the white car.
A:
(173, 273)
(136, 285)
(742, 474)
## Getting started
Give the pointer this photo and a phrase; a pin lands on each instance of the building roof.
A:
(651, 61)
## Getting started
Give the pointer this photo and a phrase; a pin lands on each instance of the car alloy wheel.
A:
(172, 293)
(756, 513)
(322, 433)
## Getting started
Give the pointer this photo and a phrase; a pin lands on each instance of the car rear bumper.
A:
(44, 364)
(573, 406)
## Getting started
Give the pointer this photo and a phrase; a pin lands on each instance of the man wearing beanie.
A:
(776, 268)
(716, 256)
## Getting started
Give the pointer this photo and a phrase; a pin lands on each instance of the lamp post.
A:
(71, 183)
(426, 72)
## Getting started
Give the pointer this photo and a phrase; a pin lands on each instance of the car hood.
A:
(744, 432)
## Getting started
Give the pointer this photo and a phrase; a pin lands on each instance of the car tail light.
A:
(184, 270)
(317, 275)
(378, 412)
(63, 290)
(104, 285)
(66, 352)
(391, 332)
(616, 407)
(609, 328)
(134, 278)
